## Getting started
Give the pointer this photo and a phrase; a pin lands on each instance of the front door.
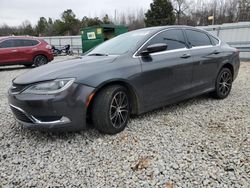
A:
(166, 75)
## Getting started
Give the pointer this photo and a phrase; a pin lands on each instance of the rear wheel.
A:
(111, 109)
(40, 60)
(223, 84)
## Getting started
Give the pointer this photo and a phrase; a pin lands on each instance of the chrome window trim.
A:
(201, 47)
(137, 56)
(175, 50)
(166, 52)
(208, 34)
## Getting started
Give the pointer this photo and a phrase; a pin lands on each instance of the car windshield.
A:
(120, 44)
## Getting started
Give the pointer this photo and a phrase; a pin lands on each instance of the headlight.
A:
(50, 87)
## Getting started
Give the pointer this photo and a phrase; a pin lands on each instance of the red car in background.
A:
(25, 51)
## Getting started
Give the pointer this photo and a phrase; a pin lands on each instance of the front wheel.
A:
(223, 84)
(111, 109)
(40, 60)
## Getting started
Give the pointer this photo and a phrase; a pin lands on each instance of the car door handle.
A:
(185, 56)
(216, 52)
(13, 50)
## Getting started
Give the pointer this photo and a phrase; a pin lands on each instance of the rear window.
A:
(34, 42)
(214, 40)
(197, 38)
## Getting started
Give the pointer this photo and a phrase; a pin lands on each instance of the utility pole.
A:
(215, 6)
(115, 16)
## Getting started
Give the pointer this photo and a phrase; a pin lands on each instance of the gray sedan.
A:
(130, 74)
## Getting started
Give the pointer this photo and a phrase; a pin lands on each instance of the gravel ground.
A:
(200, 142)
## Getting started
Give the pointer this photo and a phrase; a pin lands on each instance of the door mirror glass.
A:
(155, 48)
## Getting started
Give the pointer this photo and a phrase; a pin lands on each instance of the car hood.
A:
(76, 68)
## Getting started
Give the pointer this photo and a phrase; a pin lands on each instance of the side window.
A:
(29, 42)
(197, 38)
(214, 40)
(17, 43)
(6, 44)
(24, 42)
(34, 42)
(173, 38)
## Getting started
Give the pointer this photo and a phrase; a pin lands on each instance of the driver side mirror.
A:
(154, 48)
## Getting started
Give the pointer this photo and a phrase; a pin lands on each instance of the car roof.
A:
(2, 38)
(18, 37)
(160, 28)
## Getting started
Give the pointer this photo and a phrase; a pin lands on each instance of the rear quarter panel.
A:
(231, 56)
(42, 50)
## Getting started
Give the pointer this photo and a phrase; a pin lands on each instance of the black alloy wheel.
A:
(111, 109)
(223, 84)
(119, 108)
(40, 60)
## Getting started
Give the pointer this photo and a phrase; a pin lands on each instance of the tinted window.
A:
(173, 38)
(23, 42)
(214, 40)
(32, 42)
(6, 44)
(197, 38)
(17, 43)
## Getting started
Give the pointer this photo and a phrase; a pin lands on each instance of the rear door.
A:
(24, 49)
(166, 75)
(206, 58)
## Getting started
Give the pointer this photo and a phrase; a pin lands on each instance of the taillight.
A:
(48, 47)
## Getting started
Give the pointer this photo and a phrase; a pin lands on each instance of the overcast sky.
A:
(14, 12)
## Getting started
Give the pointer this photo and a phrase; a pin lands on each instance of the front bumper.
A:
(65, 111)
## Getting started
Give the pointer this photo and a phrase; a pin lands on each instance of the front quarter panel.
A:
(70, 103)
(126, 69)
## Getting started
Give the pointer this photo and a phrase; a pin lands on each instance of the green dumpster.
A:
(92, 36)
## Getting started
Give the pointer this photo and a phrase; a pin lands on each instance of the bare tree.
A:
(180, 6)
(132, 19)
(244, 10)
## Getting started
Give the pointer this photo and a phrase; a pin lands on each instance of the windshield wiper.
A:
(98, 54)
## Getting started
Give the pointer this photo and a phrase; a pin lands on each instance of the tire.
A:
(223, 84)
(111, 109)
(40, 60)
